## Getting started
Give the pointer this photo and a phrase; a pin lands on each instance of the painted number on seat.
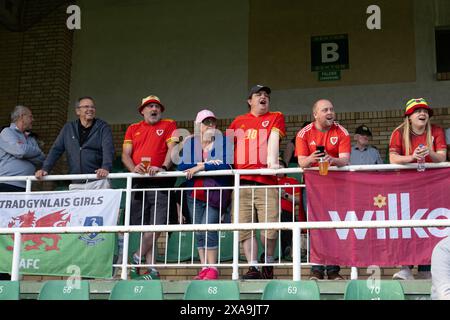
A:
(67, 290)
(212, 290)
(138, 289)
(292, 290)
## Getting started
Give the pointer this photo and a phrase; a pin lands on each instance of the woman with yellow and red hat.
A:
(417, 139)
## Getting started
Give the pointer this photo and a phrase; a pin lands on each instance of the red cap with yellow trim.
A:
(151, 99)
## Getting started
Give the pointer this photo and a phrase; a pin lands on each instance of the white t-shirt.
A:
(447, 136)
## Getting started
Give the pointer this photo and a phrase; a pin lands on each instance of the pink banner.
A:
(375, 196)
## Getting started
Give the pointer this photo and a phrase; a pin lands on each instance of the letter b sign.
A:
(329, 53)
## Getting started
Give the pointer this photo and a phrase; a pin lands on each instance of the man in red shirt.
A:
(324, 131)
(149, 140)
(257, 136)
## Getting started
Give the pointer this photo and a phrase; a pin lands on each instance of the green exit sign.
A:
(330, 75)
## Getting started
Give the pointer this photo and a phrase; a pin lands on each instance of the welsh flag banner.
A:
(86, 255)
(366, 196)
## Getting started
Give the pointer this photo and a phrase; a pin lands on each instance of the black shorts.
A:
(155, 207)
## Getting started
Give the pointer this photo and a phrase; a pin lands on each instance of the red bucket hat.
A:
(150, 99)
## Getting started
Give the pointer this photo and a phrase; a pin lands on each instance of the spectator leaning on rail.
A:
(206, 151)
(152, 138)
(324, 131)
(88, 144)
(257, 135)
(362, 152)
(440, 270)
(19, 153)
(404, 147)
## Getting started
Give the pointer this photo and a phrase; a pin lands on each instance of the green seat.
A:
(62, 290)
(179, 248)
(291, 290)
(226, 246)
(137, 290)
(374, 290)
(212, 290)
(9, 290)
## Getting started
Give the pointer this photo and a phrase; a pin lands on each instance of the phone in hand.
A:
(321, 149)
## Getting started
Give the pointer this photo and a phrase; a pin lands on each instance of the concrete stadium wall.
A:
(196, 54)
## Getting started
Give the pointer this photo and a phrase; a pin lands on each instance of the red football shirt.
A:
(438, 138)
(251, 136)
(150, 140)
(336, 140)
(286, 205)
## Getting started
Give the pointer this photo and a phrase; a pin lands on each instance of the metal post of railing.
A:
(126, 236)
(354, 273)
(235, 273)
(28, 185)
(16, 256)
(296, 254)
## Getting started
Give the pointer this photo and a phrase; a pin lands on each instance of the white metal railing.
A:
(296, 227)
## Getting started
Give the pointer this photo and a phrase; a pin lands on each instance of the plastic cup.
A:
(323, 167)
(146, 161)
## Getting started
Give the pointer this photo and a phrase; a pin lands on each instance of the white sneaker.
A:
(404, 274)
(425, 275)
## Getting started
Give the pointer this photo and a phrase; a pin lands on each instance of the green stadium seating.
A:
(61, 290)
(382, 290)
(291, 290)
(212, 290)
(137, 290)
(226, 246)
(9, 290)
(180, 242)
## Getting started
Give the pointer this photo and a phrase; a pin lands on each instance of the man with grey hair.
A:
(19, 151)
(87, 142)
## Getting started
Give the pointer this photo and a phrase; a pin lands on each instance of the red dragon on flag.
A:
(27, 220)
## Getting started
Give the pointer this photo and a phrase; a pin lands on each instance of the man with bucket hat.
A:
(147, 149)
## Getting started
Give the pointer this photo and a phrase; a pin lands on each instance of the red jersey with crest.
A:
(286, 205)
(150, 140)
(251, 136)
(437, 137)
(336, 140)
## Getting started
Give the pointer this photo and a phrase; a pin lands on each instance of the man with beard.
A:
(324, 131)
(147, 148)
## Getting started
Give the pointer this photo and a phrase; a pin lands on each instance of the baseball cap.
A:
(151, 99)
(363, 130)
(258, 88)
(202, 115)
(414, 104)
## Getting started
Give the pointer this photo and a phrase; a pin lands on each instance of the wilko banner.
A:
(371, 196)
(86, 255)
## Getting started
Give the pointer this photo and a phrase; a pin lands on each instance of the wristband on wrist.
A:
(165, 168)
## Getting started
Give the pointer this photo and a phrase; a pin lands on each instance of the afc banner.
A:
(377, 196)
(57, 254)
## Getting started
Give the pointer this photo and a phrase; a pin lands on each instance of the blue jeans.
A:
(200, 218)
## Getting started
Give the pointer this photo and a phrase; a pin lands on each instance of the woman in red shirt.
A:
(416, 139)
